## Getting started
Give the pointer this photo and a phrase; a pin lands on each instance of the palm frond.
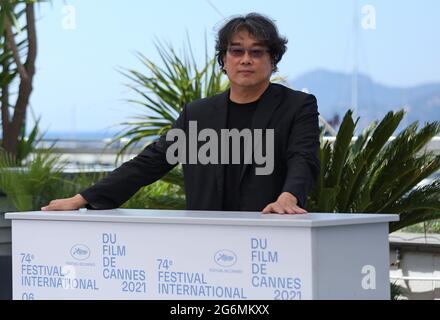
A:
(164, 92)
(379, 174)
(355, 173)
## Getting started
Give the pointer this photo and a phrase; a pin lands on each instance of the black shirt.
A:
(239, 117)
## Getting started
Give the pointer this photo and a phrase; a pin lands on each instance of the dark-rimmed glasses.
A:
(238, 52)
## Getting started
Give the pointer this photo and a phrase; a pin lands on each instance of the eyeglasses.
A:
(238, 52)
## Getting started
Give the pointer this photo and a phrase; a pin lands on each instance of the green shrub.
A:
(376, 174)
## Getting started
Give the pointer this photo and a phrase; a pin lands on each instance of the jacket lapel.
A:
(220, 116)
(269, 102)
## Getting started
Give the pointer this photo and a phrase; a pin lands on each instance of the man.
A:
(248, 51)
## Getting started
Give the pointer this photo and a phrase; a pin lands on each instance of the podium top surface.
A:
(205, 217)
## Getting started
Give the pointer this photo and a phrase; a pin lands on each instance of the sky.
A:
(83, 43)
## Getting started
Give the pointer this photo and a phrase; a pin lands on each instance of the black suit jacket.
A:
(292, 114)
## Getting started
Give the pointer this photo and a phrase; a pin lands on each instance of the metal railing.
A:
(97, 154)
(104, 146)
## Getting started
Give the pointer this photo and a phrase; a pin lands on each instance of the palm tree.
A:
(41, 179)
(376, 174)
(18, 51)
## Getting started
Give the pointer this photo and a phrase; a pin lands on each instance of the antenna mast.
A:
(355, 71)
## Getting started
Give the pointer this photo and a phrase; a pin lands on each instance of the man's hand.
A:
(286, 203)
(73, 203)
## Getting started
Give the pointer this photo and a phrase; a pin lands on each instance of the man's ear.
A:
(274, 67)
(223, 68)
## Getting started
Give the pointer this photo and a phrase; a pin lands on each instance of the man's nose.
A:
(246, 59)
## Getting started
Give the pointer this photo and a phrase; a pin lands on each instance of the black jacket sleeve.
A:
(121, 184)
(303, 151)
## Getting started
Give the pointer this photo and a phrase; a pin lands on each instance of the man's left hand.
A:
(286, 203)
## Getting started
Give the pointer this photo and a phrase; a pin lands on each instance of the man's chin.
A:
(247, 83)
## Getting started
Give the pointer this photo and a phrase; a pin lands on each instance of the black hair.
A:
(260, 27)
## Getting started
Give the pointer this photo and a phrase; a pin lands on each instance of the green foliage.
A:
(27, 186)
(73, 183)
(431, 226)
(159, 195)
(39, 181)
(167, 193)
(375, 175)
(27, 144)
(396, 291)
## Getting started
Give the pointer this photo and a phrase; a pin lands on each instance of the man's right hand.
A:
(73, 203)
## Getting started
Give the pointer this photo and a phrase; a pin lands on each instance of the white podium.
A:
(161, 254)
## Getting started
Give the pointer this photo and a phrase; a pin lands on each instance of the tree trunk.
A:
(12, 127)
(5, 99)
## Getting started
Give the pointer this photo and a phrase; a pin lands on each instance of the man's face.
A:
(247, 62)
